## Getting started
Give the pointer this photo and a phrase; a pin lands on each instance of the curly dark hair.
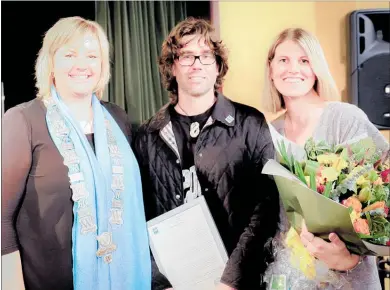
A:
(172, 45)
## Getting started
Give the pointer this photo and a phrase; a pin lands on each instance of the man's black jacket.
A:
(229, 155)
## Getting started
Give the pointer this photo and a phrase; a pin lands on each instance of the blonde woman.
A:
(72, 208)
(298, 81)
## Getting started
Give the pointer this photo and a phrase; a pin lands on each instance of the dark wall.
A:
(198, 9)
(24, 24)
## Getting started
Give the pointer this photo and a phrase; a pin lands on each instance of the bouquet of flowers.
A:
(342, 189)
(354, 175)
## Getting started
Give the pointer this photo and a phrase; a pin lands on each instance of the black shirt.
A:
(186, 145)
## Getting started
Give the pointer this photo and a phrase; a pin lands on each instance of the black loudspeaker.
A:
(370, 64)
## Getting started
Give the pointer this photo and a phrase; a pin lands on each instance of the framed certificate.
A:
(187, 247)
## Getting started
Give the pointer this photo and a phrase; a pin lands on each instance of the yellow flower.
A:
(354, 216)
(339, 164)
(330, 173)
(361, 180)
(300, 256)
(356, 169)
(327, 158)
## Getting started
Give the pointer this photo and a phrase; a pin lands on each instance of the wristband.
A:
(350, 270)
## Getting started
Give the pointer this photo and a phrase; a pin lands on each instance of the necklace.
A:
(194, 127)
(87, 125)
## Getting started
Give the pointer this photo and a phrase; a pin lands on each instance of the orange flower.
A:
(361, 226)
(375, 205)
(354, 203)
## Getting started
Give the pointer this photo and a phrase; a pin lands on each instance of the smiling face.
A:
(77, 66)
(198, 79)
(290, 70)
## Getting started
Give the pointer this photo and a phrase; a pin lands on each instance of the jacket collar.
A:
(160, 119)
(223, 112)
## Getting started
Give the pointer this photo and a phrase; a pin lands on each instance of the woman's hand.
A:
(334, 254)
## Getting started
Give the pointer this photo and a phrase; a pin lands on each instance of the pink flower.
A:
(386, 210)
(320, 188)
(385, 174)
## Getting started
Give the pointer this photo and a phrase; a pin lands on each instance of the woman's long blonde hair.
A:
(325, 85)
(58, 35)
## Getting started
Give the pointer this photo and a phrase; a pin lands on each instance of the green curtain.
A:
(136, 30)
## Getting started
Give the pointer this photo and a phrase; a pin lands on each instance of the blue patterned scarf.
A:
(109, 236)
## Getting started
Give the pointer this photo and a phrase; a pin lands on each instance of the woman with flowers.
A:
(298, 81)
